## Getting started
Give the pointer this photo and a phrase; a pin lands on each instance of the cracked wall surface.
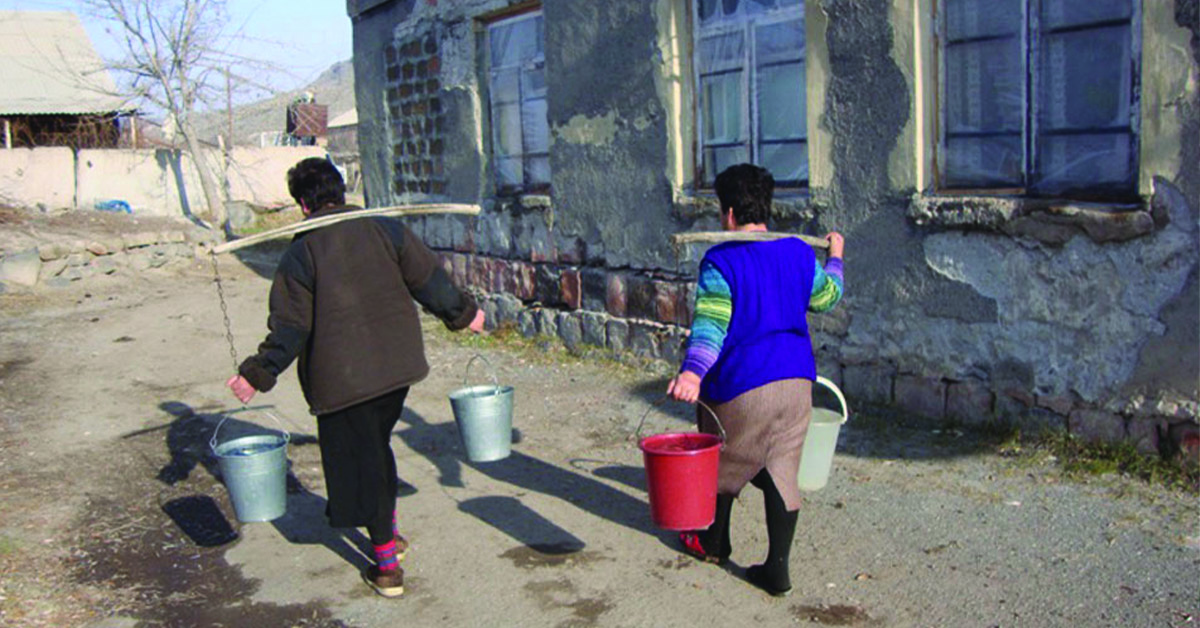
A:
(1070, 315)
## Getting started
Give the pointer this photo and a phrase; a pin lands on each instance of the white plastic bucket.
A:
(816, 458)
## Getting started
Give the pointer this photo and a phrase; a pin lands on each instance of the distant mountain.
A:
(334, 87)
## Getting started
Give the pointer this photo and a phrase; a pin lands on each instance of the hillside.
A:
(334, 87)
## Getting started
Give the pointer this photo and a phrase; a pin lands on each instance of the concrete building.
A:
(1017, 181)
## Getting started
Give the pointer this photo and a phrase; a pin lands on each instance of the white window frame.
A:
(1031, 36)
(750, 106)
(538, 63)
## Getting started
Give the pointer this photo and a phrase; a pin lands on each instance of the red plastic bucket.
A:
(681, 479)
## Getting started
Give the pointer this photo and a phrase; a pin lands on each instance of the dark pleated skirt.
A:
(764, 428)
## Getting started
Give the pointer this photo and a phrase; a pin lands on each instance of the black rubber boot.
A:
(716, 538)
(772, 576)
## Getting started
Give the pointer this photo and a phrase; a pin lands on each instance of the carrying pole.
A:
(324, 221)
(744, 236)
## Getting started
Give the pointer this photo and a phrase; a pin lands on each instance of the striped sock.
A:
(385, 556)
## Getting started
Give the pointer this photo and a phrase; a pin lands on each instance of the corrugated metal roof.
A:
(48, 65)
(350, 118)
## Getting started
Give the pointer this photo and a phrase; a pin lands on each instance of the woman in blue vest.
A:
(750, 358)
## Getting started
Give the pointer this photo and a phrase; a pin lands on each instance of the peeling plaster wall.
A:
(1078, 316)
(966, 305)
(608, 159)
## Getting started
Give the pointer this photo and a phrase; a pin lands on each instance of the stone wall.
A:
(58, 262)
(1041, 314)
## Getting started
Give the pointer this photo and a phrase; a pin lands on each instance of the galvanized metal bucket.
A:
(254, 469)
(484, 417)
(816, 458)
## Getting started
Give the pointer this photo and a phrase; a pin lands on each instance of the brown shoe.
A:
(386, 583)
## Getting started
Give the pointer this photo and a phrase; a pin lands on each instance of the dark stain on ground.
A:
(940, 548)
(585, 611)
(7, 369)
(550, 555)
(680, 562)
(836, 615)
(128, 544)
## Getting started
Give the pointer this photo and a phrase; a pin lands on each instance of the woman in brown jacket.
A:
(342, 302)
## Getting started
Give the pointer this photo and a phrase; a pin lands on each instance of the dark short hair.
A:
(748, 190)
(316, 183)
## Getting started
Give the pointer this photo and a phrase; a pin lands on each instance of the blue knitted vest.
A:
(767, 340)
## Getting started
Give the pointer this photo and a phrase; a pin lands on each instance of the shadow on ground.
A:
(188, 440)
(439, 443)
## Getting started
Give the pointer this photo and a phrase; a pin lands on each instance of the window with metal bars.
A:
(1040, 97)
(517, 94)
(750, 68)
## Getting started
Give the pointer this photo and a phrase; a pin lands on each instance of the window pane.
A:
(982, 18)
(781, 103)
(1059, 13)
(504, 87)
(537, 170)
(759, 6)
(509, 173)
(515, 42)
(722, 107)
(507, 130)
(1074, 162)
(984, 162)
(722, 52)
(533, 83)
(1085, 79)
(536, 129)
(787, 162)
(985, 86)
(782, 41)
(718, 159)
(707, 9)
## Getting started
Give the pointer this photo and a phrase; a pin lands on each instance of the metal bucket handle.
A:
(491, 369)
(638, 432)
(840, 397)
(287, 436)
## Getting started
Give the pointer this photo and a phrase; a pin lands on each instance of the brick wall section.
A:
(416, 116)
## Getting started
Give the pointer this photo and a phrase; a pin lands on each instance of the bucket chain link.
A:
(224, 312)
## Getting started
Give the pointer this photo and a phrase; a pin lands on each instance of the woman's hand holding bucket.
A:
(685, 387)
(241, 388)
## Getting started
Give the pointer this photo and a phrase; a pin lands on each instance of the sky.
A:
(303, 37)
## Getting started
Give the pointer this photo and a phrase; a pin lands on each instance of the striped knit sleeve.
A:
(827, 285)
(714, 308)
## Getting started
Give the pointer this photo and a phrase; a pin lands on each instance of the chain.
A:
(225, 312)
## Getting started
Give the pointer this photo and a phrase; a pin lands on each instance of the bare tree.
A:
(176, 60)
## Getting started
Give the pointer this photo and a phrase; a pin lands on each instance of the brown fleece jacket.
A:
(342, 301)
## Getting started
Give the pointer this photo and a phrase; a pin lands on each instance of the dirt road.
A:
(110, 514)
